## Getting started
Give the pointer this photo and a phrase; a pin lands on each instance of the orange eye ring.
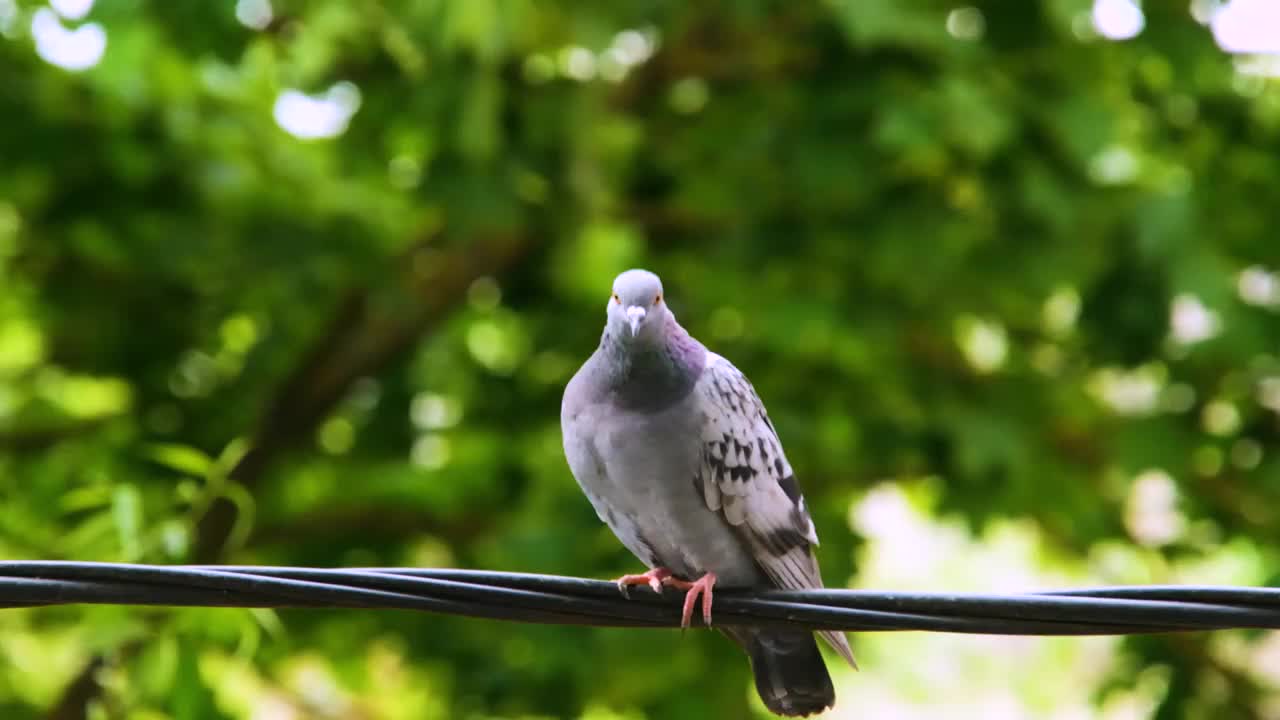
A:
(657, 300)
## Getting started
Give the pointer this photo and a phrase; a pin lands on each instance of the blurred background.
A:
(288, 282)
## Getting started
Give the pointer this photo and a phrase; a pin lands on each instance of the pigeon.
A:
(677, 455)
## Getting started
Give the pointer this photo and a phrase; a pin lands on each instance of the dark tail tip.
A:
(790, 675)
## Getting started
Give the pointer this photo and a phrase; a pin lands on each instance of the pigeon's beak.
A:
(635, 314)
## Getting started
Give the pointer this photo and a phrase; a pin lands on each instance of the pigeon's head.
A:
(636, 308)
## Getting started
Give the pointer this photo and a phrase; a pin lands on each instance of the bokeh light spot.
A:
(336, 436)
(72, 9)
(256, 14)
(430, 452)
(1258, 286)
(1151, 513)
(689, 95)
(983, 342)
(322, 116)
(966, 23)
(1190, 321)
(1221, 418)
(433, 411)
(1117, 19)
(74, 50)
(1247, 26)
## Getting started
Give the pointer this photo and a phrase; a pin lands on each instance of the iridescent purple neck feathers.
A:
(652, 371)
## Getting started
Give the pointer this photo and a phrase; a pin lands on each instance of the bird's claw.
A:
(658, 577)
(654, 578)
(702, 586)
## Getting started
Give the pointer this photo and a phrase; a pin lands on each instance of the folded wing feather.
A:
(746, 477)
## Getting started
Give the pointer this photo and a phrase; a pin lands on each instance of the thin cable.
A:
(577, 601)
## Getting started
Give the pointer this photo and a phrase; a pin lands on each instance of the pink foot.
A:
(654, 579)
(702, 586)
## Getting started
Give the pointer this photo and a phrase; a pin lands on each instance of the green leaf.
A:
(126, 511)
(182, 458)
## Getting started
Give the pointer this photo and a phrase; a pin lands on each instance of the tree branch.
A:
(369, 329)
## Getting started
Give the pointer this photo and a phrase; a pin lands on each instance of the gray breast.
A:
(646, 492)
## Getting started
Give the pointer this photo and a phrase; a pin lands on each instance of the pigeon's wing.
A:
(745, 476)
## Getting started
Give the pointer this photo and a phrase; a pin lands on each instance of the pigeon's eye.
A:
(657, 299)
(615, 298)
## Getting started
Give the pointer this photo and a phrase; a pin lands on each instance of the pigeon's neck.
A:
(652, 374)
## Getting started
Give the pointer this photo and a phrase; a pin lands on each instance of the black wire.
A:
(576, 601)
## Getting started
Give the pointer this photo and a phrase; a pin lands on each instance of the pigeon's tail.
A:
(790, 675)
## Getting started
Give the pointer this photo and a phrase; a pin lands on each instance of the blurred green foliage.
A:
(990, 256)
